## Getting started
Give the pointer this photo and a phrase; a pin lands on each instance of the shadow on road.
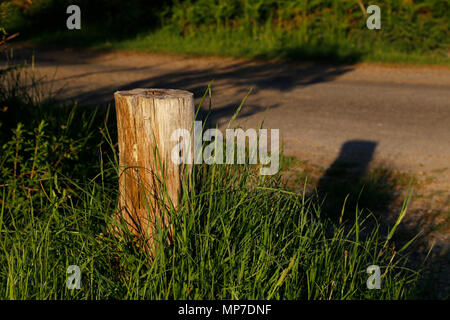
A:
(351, 182)
(348, 178)
(231, 81)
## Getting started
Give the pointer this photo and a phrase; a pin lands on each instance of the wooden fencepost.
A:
(146, 119)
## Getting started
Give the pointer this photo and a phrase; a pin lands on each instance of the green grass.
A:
(239, 44)
(236, 234)
(270, 45)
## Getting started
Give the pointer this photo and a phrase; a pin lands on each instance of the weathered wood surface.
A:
(146, 119)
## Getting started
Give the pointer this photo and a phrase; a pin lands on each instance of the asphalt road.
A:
(397, 116)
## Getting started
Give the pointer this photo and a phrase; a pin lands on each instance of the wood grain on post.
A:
(146, 119)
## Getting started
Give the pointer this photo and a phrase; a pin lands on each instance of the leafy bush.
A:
(297, 29)
(406, 25)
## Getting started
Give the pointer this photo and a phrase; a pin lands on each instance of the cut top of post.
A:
(155, 93)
